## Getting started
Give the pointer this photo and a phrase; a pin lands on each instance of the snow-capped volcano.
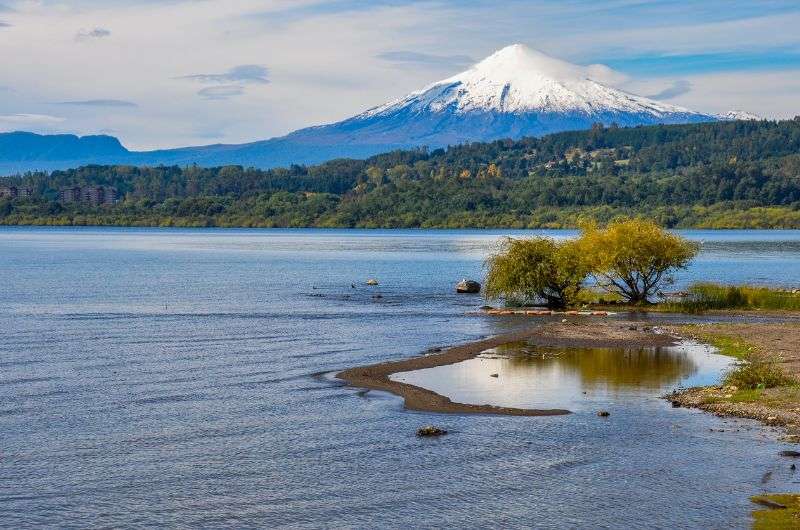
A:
(519, 80)
(514, 92)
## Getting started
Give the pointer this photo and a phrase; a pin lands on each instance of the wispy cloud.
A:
(4, 24)
(416, 59)
(678, 88)
(96, 33)
(100, 103)
(245, 73)
(17, 121)
(221, 92)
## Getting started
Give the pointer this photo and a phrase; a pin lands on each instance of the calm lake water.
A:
(182, 378)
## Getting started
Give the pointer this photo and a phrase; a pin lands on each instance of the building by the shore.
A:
(94, 195)
(14, 192)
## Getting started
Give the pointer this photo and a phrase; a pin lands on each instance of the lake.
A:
(168, 377)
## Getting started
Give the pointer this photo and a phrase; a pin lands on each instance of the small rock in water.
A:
(372, 281)
(793, 454)
(494, 375)
(676, 404)
(603, 413)
(793, 467)
(466, 286)
(431, 430)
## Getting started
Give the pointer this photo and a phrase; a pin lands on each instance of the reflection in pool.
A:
(526, 376)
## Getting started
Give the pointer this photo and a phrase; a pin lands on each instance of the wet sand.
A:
(576, 333)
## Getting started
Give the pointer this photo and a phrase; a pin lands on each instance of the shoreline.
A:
(777, 406)
(575, 333)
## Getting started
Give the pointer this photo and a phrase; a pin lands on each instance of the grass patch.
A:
(752, 374)
(709, 296)
(757, 374)
(740, 396)
(726, 344)
(782, 510)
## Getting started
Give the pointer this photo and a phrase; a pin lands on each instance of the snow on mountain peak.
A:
(520, 80)
(522, 64)
(740, 115)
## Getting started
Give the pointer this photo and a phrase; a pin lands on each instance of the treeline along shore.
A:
(742, 174)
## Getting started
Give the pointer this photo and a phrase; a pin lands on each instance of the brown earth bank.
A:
(777, 343)
(575, 333)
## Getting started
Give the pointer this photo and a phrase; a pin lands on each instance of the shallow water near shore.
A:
(521, 375)
(177, 378)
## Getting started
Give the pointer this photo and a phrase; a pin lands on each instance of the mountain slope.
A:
(515, 92)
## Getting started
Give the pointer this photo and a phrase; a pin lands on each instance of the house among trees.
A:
(93, 195)
(13, 192)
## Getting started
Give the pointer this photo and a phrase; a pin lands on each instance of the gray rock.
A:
(468, 287)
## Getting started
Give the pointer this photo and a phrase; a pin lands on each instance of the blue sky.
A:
(183, 72)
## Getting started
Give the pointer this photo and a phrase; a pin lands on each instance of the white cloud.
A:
(29, 122)
(96, 33)
(772, 95)
(114, 103)
(246, 73)
(221, 92)
(677, 88)
(413, 59)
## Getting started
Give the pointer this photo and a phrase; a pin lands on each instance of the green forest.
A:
(742, 174)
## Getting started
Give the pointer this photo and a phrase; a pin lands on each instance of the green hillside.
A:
(743, 174)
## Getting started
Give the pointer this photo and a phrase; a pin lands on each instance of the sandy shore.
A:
(576, 333)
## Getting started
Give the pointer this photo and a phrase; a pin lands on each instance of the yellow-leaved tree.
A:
(635, 258)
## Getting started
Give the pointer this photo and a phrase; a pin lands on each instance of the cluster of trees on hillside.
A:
(743, 173)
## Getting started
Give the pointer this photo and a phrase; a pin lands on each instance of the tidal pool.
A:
(525, 376)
